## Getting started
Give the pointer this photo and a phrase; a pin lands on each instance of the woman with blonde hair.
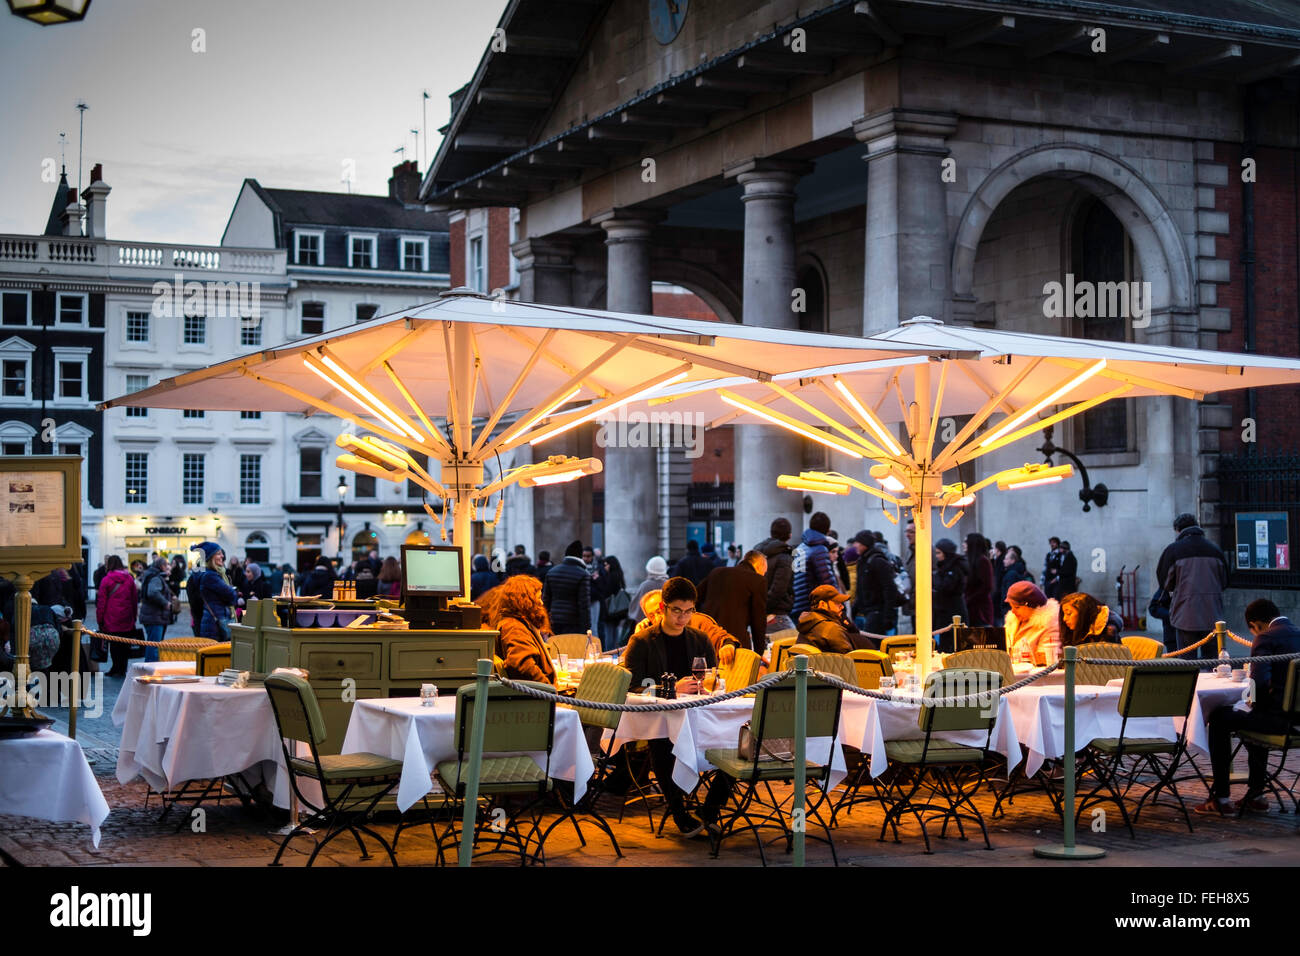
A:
(517, 612)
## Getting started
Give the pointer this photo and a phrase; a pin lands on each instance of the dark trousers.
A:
(1208, 650)
(663, 761)
(119, 652)
(1221, 726)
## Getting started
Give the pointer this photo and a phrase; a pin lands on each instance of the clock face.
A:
(667, 17)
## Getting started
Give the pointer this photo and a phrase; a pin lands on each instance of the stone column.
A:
(631, 486)
(763, 451)
(561, 513)
(908, 259)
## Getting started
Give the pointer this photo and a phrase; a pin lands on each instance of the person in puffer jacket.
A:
(566, 593)
(1194, 572)
(812, 563)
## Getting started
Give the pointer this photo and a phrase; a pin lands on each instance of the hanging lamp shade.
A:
(48, 12)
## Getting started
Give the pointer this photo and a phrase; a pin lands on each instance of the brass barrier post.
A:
(1220, 634)
(797, 812)
(76, 679)
(1068, 851)
(470, 816)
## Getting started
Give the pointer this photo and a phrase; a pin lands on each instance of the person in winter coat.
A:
(1069, 569)
(115, 610)
(216, 596)
(780, 575)
(877, 599)
(1031, 624)
(608, 583)
(694, 566)
(320, 583)
(1086, 621)
(483, 578)
(155, 604)
(826, 627)
(390, 579)
(950, 574)
(737, 599)
(254, 585)
(812, 563)
(1014, 571)
(1194, 572)
(656, 573)
(518, 614)
(979, 586)
(566, 593)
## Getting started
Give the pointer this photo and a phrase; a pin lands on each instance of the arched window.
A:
(1101, 253)
(363, 542)
(418, 539)
(258, 547)
(812, 281)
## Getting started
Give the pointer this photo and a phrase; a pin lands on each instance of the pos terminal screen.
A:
(433, 571)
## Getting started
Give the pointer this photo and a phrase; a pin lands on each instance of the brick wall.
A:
(719, 458)
(1277, 314)
(682, 305)
(498, 243)
(457, 230)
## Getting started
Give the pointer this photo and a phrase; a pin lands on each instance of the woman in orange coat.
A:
(516, 610)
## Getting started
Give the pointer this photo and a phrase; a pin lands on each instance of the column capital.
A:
(907, 131)
(768, 178)
(626, 224)
(543, 251)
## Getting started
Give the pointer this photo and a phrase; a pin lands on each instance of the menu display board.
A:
(31, 509)
(1263, 541)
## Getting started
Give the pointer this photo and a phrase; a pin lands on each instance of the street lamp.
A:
(343, 493)
(47, 12)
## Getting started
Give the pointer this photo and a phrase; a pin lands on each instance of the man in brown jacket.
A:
(737, 599)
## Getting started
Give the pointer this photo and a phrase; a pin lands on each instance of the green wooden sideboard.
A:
(347, 664)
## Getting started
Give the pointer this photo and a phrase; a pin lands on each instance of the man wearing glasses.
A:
(670, 647)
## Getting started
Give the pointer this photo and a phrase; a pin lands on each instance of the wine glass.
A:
(699, 667)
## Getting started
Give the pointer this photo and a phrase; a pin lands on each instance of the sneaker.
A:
(688, 825)
(1213, 807)
(1254, 802)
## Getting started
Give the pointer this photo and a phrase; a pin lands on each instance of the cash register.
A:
(433, 589)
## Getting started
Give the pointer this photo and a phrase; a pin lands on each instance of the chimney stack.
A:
(71, 217)
(96, 198)
(404, 184)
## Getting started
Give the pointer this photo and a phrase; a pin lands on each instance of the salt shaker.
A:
(428, 695)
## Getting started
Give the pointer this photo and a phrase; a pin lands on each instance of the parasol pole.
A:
(922, 515)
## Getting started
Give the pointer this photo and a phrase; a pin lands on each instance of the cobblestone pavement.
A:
(234, 836)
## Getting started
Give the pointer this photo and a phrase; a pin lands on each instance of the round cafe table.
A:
(46, 776)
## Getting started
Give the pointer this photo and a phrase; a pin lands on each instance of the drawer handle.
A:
(442, 660)
(340, 663)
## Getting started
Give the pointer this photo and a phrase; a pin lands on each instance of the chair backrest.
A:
(1143, 648)
(806, 649)
(774, 710)
(210, 661)
(781, 649)
(603, 683)
(571, 645)
(790, 634)
(837, 665)
(954, 682)
(743, 670)
(1085, 673)
(899, 642)
(182, 654)
(297, 713)
(1158, 692)
(1291, 694)
(870, 667)
(983, 660)
(515, 722)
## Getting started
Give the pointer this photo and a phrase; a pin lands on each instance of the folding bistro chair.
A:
(351, 785)
(743, 670)
(780, 656)
(574, 645)
(899, 642)
(870, 667)
(772, 724)
(950, 772)
(1148, 692)
(1143, 648)
(1086, 672)
(982, 659)
(517, 726)
(836, 665)
(1280, 743)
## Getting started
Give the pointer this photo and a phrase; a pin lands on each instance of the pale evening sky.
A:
(285, 92)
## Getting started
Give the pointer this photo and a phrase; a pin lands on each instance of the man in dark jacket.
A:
(670, 647)
(566, 592)
(737, 599)
(1274, 634)
(1194, 572)
(826, 627)
(320, 583)
(1052, 569)
(780, 575)
(812, 562)
(483, 578)
(694, 566)
(1069, 570)
(949, 574)
(877, 598)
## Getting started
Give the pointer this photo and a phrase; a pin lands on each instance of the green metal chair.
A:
(1101, 674)
(1148, 692)
(950, 772)
(1280, 744)
(774, 717)
(898, 642)
(351, 785)
(574, 646)
(601, 682)
(982, 659)
(780, 650)
(836, 665)
(870, 667)
(517, 725)
(743, 670)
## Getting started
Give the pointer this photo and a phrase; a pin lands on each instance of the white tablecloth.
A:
(421, 737)
(178, 732)
(867, 723)
(47, 776)
(1039, 715)
(694, 731)
(144, 669)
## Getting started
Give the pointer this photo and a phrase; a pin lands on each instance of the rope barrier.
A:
(1190, 647)
(1240, 640)
(171, 644)
(1202, 664)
